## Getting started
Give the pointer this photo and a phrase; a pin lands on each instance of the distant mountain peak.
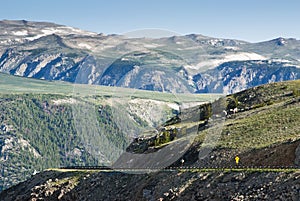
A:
(280, 41)
(55, 52)
(197, 36)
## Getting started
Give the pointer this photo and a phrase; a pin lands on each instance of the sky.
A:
(249, 20)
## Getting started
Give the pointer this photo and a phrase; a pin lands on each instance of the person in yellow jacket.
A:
(237, 159)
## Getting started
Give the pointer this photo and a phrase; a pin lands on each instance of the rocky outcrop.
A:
(297, 154)
(164, 185)
(172, 129)
(235, 76)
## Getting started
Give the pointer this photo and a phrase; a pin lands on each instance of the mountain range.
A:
(183, 64)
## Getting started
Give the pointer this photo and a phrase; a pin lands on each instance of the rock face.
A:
(297, 153)
(165, 185)
(235, 76)
(55, 52)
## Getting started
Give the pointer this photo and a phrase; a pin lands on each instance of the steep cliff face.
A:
(191, 63)
(235, 76)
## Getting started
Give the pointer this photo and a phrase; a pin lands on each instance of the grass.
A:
(68, 183)
(74, 180)
(261, 126)
(19, 85)
(262, 129)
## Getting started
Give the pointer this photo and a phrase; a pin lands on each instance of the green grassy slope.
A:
(268, 114)
(13, 84)
(265, 130)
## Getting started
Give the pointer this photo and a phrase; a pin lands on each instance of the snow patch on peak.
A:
(211, 63)
(63, 31)
(231, 48)
(84, 45)
(79, 31)
(244, 56)
(20, 33)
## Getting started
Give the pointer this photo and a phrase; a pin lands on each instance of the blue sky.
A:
(250, 20)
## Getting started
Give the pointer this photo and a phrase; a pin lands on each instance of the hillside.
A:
(174, 185)
(260, 125)
(191, 63)
(42, 123)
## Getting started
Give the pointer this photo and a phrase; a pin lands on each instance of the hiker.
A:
(237, 160)
(182, 161)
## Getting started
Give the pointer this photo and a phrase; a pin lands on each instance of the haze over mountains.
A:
(191, 63)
